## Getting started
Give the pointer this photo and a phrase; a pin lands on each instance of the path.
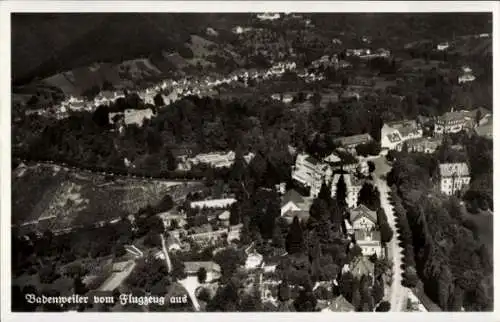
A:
(190, 283)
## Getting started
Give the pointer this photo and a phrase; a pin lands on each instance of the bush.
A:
(384, 306)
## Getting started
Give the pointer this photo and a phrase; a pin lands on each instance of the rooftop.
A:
(362, 265)
(339, 304)
(293, 196)
(454, 169)
(355, 139)
(363, 211)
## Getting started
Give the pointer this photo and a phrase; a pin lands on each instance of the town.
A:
(358, 182)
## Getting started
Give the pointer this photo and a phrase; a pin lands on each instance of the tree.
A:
(158, 100)
(165, 204)
(229, 259)
(369, 196)
(306, 301)
(278, 240)
(295, 238)
(371, 166)
(386, 232)
(316, 99)
(101, 116)
(284, 291)
(384, 306)
(202, 275)
(341, 193)
(378, 291)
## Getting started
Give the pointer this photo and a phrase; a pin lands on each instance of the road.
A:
(190, 283)
(398, 293)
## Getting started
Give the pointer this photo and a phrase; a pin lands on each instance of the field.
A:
(51, 197)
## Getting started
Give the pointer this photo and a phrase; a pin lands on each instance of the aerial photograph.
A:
(251, 162)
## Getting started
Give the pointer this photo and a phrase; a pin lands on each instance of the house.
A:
(353, 185)
(362, 265)
(224, 217)
(254, 260)
(172, 216)
(351, 142)
(363, 218)
(120, 272)
(423, 145)
(339, 304)
(369, 242)
(291, 201)
(234, 232)
(215, 159)
(485, 130)
(394, 133)
(454, 177)
(213, 270)
(465, 78)
(310, 173)
(173, 243)
(443, 46)
(454, 122)
(213, 203)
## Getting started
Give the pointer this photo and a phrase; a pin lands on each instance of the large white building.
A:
(369, 242)
(393, 134)
(454, 177)
(310, 173)
(363, 218)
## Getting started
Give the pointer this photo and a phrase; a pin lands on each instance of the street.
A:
(398, 293)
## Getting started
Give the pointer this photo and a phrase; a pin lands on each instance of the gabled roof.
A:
(340, 304)
(454, 169)
(293, 196)
(363, 211)
(362, 265)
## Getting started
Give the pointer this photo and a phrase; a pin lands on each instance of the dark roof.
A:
(363, 211)
(354, 139)
(293, 196)
(361, 265)
(340, 304)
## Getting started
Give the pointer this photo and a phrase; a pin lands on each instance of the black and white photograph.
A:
(250, 161)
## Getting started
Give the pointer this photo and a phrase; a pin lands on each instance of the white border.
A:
(213, 6)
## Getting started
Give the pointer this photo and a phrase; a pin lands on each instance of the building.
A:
(454, 122)
(213, 270)
(351, 142)
(395, 133)
(465, 78)
(224, 217)
(213, 203)
(353, 186)
(369, 242)
(172, 216)
(339, 304)
(294, 205)
(215, 159)
(454, 177)
(310, 173)
(423, 145)
(443, 46)
(361, 265)
(485, 131)
(254, 260)
(363, 218)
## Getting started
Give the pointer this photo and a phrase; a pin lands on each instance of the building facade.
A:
(454, 177)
